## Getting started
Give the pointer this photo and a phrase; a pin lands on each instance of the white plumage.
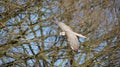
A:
(71, 35)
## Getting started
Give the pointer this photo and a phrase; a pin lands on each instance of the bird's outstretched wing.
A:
(79, 35)
(63, 26)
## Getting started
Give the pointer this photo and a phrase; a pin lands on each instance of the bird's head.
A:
(62, 33)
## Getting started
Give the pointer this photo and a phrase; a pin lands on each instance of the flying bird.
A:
(71, 35)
